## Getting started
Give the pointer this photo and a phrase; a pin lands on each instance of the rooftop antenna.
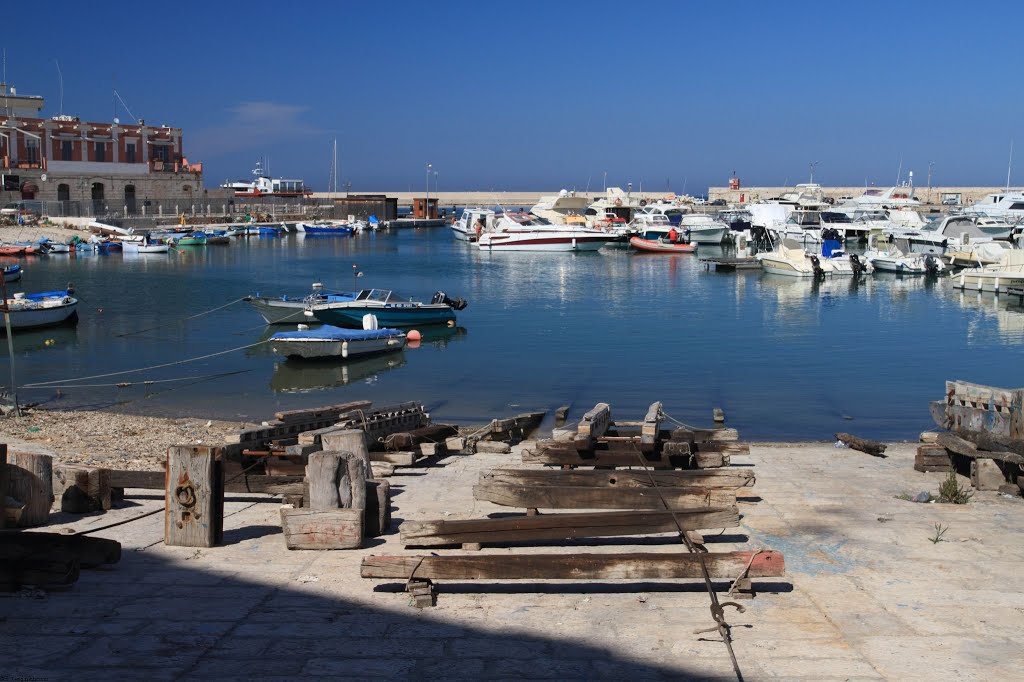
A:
(1009, 166)
(119, 99)
(60, 85)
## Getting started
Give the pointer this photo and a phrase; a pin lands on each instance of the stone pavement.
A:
(867, 594)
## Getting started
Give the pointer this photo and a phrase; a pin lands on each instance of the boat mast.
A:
(1009, 166)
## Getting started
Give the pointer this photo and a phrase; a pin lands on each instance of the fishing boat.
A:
(1008, 273)
(12, 273)
(9, 250)
(525, 232)
(334, 342)
(192, 239)
(143, 244)
(390, 310)
(54, 247)
(324, 227)
(289, 309)
(897, 257)
(789, 259)
(28, 311)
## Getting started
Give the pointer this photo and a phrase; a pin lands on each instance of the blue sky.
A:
(543, 95)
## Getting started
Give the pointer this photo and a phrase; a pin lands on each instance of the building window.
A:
(32, 150)
(67, 150)
(63, 192)
(161, 153)
(129, 152)
(101, 151)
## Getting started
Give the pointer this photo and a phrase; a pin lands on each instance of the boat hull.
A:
(389, 315)
(313, 348)
(12, 273)
(653, 246)
(462, 235)
(706, 236)
(44, 317)
(992, 282)
(506, 241)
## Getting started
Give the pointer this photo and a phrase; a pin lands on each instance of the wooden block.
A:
(398, 459)
(564, 435)
(633, 566)
(302, 451)
(554, 497)
(86, 551)
(382, 470)
(4, 485)
(348, 440)
(561, 414)
(322, 529)
(455, 444)
(622, 478)
(409, 440)
(30, 482)
(718, 415)
(929, 436)
(337, 480)
(433, 449)
(651, 428)
(194, 497)
(548, 527)
(986, 475)
(79, 489)
(593, 425)
(378, 508)
(493, 447)
(709, 460)
(932, 458)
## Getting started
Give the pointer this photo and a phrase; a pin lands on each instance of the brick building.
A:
(88, 168)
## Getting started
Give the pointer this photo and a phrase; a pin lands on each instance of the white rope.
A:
(143, 369)
(184, 319)
(148, 382)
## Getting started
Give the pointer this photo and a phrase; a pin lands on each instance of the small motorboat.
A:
(143, 244)
(897, 257)
(290, 309)
(335, 342)
(53, 247)
(790, 259)
(12, 273)
(1008, 273)
(28, 311)
(324, 227)
(11, 250)
(192, 239)
(658, 235)
(661, 246)
(390, 309)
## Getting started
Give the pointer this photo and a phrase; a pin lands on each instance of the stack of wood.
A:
(985, 437)
(643, 479)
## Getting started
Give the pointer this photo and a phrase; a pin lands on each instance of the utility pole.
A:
(928, 199)
(426, 206)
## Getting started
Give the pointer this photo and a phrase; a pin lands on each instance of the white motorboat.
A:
(703, 229)
(977, 254)
(953, 231)
(897, 257)
(143, 244)
(876, 198)
(29, 311)
(789, 259)
(471, 224)
(1008, 273)
(335, 342)
(525, 232)
(556, 208)
(1008, 205)
(105, 230)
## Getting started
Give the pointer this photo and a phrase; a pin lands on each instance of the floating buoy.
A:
(413, 335)
(451, 323)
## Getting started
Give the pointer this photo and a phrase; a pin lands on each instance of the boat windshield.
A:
(527, 219)
(932, 225)
(379, 295)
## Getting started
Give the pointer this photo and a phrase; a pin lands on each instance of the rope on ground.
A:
(149, 382)
(182, 320)
(143, 369)
(717, 608)
(119, 523)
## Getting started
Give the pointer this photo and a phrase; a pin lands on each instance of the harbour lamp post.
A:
(426, 205)
(355, 276)
(604, 183)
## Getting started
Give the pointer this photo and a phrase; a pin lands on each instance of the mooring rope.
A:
(182, 320)
(42, 384)
(148, 382)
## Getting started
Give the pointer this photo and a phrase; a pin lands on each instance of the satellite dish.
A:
(116, 120)
(43, 177)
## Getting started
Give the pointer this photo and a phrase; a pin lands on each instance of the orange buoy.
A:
(413, 335)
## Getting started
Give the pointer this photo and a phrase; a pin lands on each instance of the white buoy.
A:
(303, 327)
(344, 349)
(318, 285)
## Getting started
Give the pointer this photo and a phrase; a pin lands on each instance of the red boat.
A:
(659, 246)
(12, 250)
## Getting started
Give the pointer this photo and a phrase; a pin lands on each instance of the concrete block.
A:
(986, 475)
(455, 444)
(492, 446)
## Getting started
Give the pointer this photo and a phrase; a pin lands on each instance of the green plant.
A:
(940, 530)
(952, 492)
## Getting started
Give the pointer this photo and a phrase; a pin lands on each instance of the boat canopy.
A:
(331, 333)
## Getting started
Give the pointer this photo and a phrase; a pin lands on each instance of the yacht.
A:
(265, 186)
(894, 197)
(558, 207)
(1008, 273)
(789, 259)
(953, 231)
(622, 204)
(670, 209)
(526, 232)
(703, 229)
(1008, 205)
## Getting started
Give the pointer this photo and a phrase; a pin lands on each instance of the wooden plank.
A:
(4, 486)
(633, 566)
(194, 498)
(593, 425)
(410, 440)
(87, 551)
(871, 447)
(566, 454)
(320, 413)
(703, 435)
(248, 483)
(80, 489)
(322, 529)
(398, 459)
(651, 428)
(582, 497)
(960, 446)
(562, 526)
(377, 519)
(637, 478)
(31, 483)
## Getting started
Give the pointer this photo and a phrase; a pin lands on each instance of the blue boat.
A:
(265, 231)
(291, 309)
(324, 228)
(335, 342)
(12, 273)
(390, 310)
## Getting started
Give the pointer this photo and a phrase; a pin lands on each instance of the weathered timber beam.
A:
(86, 551)
(593, 425)
(634, 566)
(871, 447)
(621, 478)
(563, 526)
(319, 413)
(960, 446)
(701, 435)
(155, 480)
(408, 440)
(579, 497)
(651, 427)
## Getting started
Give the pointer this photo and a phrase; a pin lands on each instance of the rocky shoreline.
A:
(108, 439)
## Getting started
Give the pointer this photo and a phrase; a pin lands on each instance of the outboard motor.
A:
(455, 304)
(858, 267)
(819, 274)
(931, 266)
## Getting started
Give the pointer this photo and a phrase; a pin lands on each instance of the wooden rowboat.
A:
(658, 246)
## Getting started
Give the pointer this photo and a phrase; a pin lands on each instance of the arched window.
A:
(63, 192)
(129, 198)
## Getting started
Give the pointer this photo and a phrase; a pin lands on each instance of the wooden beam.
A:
(871, 447)
(579, 497)
(409, 440)
(248, 483)
(320, 413)
(673, 455)
(651, 428)
(562, 526)
(621, 478)
(87, 551)
(965, 448)
(634, 566)
(322, 529)
(31, 482)
(194, 499)
(593, 425)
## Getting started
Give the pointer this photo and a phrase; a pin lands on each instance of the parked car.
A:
(719, 202)
(23, 207)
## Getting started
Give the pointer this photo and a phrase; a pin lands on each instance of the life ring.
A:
(618, 202)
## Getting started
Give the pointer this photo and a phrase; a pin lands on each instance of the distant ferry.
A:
(264, 186)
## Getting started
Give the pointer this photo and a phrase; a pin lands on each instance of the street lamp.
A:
(426, 205)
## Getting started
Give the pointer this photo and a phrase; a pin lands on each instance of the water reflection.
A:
(1005, 310)
(45, 339)
(303, 376)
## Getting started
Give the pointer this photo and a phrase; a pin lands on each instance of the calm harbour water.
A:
(783, 358)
